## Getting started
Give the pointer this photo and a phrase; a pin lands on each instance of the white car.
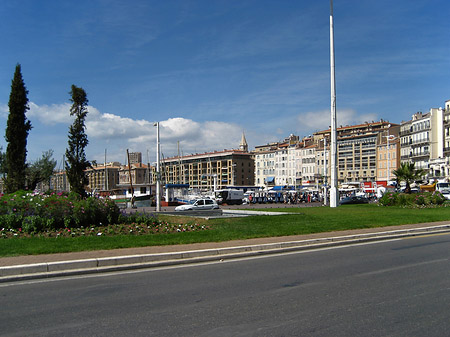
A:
(198, 204)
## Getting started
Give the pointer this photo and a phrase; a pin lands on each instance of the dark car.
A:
(354, 199)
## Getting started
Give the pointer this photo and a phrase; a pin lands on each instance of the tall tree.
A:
(408, 173)
(76, 157)
(17, 129)
(41, 170)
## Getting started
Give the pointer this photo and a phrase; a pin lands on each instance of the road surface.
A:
(393, 288)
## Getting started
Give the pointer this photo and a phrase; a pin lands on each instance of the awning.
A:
(270, 179)
(282, 188)
(176, 186)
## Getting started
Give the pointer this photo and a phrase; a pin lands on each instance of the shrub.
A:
(424, 199)
(36, 212)
(138, 218)
(388, 199)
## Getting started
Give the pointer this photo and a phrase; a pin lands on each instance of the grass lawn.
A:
(305, 221)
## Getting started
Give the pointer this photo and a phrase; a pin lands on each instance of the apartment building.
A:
(308, 163)
(439, 141)
(265, 168)
(204, 171)
(59, 182)
(103, 177)
(357, 150)
(276, 163)
(135, 157)
(323, 161)
(388, 154)
(285, 165)
(140, 174)
(415, 140)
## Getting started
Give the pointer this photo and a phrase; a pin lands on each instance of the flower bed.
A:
(424, 199)
(110, 230)
(67, 215)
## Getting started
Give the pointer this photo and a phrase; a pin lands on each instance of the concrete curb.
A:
(120, 263)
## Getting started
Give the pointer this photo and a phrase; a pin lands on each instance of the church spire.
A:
(243, 146)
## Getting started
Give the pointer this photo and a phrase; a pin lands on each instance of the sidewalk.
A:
(54, 265)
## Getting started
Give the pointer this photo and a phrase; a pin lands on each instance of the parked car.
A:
(198, 204)
(354, 199)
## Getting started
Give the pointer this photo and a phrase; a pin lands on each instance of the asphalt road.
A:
(394, 288)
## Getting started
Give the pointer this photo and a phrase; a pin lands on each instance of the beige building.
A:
(59, 182)
(388, 154)
(222, 169)
(308, 166)
(277, 163)
(140, 174)
(357, 150)
(103, 177)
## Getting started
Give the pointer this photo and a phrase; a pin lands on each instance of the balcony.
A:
(420, 141)
(421, 154)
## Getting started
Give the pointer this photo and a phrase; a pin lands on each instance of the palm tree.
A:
(409, 174)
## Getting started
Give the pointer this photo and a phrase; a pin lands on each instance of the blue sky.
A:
(210, 70)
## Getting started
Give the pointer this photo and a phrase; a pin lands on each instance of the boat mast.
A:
(129, 173)
(106, 175)
(179, 163)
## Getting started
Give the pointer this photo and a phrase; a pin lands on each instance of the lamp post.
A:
(334, 193)
(158, 172)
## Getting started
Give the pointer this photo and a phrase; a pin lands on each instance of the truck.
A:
(229, 196)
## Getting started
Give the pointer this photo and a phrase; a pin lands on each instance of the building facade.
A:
(357, 150)
(415, 140)
(211, 170)
(265, 168)
(103, 177)
(388, 154)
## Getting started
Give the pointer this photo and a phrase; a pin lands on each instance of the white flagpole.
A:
(334, 192)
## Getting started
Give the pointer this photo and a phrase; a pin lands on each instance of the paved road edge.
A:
(131, 262)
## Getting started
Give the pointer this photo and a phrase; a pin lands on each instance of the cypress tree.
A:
(17, 129)
(76, 158)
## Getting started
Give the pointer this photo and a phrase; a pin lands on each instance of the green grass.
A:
(305, 221)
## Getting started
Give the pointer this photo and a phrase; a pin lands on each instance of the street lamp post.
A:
(334, 193)
(158, 172)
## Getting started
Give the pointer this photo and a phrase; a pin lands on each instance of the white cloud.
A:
(192, 136)
(321, 120)
(117, 133)
(50, 114)
(4, 110)
(106, 126)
